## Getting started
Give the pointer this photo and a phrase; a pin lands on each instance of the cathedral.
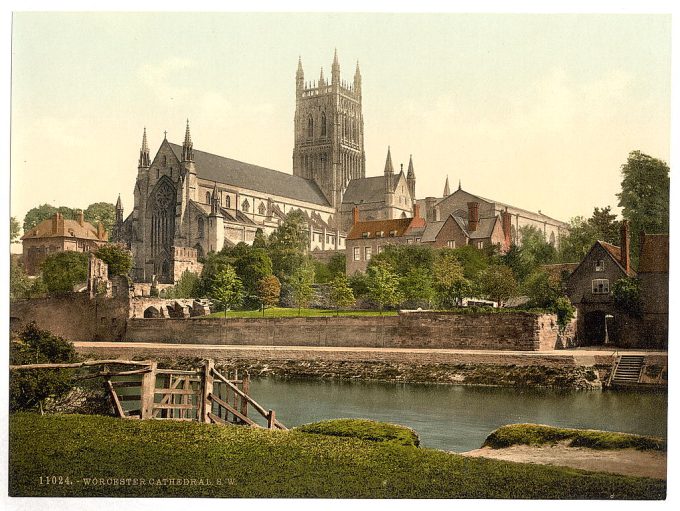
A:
(189, 202)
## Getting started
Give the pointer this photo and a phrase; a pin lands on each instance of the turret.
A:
(389, 171)
(322, 80)
(144, 159)
(299, 78)
(335, 70)
(411, 178)
(188, 146)
(357, 82)
(447, 190)
(215, 202)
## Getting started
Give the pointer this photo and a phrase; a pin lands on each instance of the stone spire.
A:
(411, 178)
(299, 77)
(357, 81)
(335, 70)
(188, 147)
(322, 80)
(119, 204)
(447, 190)
(144, 159)
(389, 169)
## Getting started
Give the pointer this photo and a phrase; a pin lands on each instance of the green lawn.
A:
(118, 453)
(536, 434)
(283, 312)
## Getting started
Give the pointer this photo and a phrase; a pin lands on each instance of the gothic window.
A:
(207, 197)
(310, 127)
(262, 208)
(323, 124)
(245, 206)
(165, 160)
(228, 202)
(201, 228)
(162, 227)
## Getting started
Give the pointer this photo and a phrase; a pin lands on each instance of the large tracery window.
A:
(201, 227)
(310, 127)
(323, 124)
(162, 228)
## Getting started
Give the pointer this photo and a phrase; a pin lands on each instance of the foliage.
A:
(602, 225)
(472, 259)
(498, 283)
(644, 196)
(535, 249)
(301, 285)
(268, 290)
(63, 270)
(288, 245)
(518, 261)
(29, 388)
(416, 287)
(542, 289)
(226, 288)
(118, 258)
(252, 265)
(260, 240)
(626, 295)
(326, 272)
(288, 312)
(337, 264)
(605, 225)
(364, 429)
(537, 434)
(322, 274)
(14, 230)
(383, 285)
(565, 311)
(19, 282)
(404, 258)
(359, 284)
(188, 286)
(214, 263)
(279, 464)
(103, 212)
(341, 294)
(36, 215)
(450, 283)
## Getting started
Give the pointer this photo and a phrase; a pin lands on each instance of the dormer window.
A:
(393, 233)
(599, 265)
(364, 235)
(380, 234)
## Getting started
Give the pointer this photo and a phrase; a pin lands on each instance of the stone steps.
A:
(628, 369)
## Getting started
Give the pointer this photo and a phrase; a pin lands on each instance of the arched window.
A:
(165, 160)
(207, 197)
(201, 227)
(245, 206)
(310, 127)
(228, 202)
(323, 124)
(262, 208)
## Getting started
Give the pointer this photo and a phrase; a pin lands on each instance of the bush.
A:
(364, 429)
(63, 270)
(117, 258)
(30, 387)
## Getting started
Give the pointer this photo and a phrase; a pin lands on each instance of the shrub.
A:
(364, 429)
(63, 270)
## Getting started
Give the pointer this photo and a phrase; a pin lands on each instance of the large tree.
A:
(252, 265)
(268, 291)
(498, 283)
(103, 212)
(450, 283)
(301, 285)
(644, 196)
(341, 294)
(602, 226)
(14, 230)
(288, 245)
(226, 289)
(118, 258)
(383, 285)
(63, 270)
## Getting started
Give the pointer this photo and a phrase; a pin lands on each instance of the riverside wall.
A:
(518, 331)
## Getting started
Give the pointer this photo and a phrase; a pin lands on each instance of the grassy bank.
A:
(282, 312)
(536, 434)
(119, 455)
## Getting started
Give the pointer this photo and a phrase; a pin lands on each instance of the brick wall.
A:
(507, 331)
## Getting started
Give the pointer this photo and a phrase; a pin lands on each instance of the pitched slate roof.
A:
(431, 231)
(654, 254)
(253, 177)
(372, 227)
(367, 189)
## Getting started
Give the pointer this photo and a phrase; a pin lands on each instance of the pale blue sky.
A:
(538, 111)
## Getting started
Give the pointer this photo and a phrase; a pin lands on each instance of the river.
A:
(458, 418)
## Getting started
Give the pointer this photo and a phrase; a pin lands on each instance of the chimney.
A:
(506, 222)
(355, 215)
(55, 223)
(473, 216)
(81, 217)
(416, 210)
(625, 245)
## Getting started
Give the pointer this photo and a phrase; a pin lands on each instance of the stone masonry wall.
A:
(501, 331)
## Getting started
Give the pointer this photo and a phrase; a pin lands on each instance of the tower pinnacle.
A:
(388, 162)
(447, 190)
(144, 159)
(335, 69)
(188, 147)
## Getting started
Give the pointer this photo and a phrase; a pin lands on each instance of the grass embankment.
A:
(284, 312)
(262, 463)
(536, 434)
(364, 429)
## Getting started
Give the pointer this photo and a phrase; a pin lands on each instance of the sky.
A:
(539, 111)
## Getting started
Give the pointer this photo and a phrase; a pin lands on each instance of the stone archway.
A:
(152, 312)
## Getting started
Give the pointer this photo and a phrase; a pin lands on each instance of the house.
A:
(653, 275)
(58, 234)
(369, 237)
(589, 288)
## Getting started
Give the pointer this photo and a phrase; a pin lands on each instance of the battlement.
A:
(312, 89)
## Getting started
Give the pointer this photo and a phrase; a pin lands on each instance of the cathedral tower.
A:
(329, 132)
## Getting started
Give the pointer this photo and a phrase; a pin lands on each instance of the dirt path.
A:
(629, 462)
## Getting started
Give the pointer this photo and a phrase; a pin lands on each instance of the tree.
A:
(103, 212)
(644, 196)
(626, 295)
(118, 258)
(252, 265)
(341, 294)
(605, 225)
(63, 270)
(337, 264)
(450, 283)
(288, 245)
(359, 284)
(518, 261)
(472, 259)
(260, 240)
(602, 225)
(226, 288)
(404, 258)
(188, 286)
(534, 248)
(498, 283)
(214, 263)
(383, 285)
(268, 291)
(19, 283)
(36, 215)
(542, 289)
(29, 388)
(301, 285)
(14, 230)
(416, 287)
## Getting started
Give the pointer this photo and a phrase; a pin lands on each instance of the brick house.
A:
(58, 234)
(589, 288)
(371, 236)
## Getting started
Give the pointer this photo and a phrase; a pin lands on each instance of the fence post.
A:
(246, 389)
(206, 406)
(148, 392)
(271, 419)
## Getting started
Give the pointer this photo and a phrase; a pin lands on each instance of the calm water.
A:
(459, 418)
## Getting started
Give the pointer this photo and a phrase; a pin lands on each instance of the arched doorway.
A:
(152, 312)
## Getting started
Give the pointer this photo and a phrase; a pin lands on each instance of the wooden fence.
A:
(202, 395)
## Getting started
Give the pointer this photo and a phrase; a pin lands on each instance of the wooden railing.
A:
(202, 395)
